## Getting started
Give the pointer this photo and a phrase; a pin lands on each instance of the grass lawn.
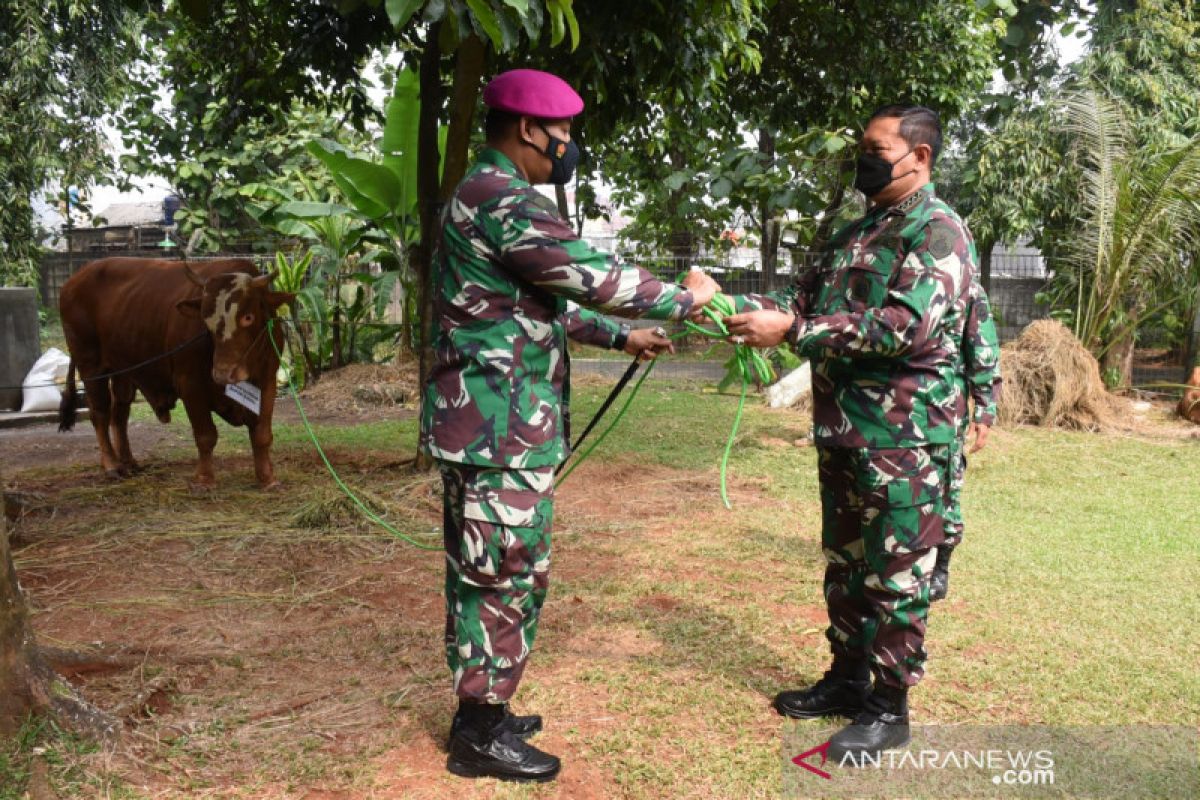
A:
(671, 621)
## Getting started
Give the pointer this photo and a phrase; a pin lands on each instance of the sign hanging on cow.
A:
(245, 394)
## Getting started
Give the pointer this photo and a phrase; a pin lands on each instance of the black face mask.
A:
(563, 157)
(872, 173)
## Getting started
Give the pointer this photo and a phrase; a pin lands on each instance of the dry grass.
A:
(1051, 379)
(363, 387)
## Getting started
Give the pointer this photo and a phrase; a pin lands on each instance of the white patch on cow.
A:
(223, 320)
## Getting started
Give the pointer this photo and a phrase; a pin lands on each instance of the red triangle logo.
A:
(823, 750)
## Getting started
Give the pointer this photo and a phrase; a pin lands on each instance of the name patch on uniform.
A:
(245, 394)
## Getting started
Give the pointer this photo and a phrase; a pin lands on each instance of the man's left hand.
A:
(765, 328)
(979, 432)
(648, 343)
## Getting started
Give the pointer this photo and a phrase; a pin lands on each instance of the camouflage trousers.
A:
(883, 517)
(497, 539)
(958, 476)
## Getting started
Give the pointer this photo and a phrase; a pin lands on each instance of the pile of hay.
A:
(361, 387)
(1051, 379)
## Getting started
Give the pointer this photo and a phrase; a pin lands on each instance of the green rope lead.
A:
(750, 363)
(367, 512)
(737, 420)
(632, 394)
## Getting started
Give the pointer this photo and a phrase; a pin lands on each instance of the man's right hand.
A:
(702, 287)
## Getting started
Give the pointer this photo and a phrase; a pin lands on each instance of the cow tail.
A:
(70, 402)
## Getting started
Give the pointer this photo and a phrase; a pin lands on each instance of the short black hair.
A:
(497, 124)
(918, 125)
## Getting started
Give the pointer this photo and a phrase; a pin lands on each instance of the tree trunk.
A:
(682, 241)
(468, 72)
(560, 197)
(825, 226)
(768, 241)
(18, 656)
(1118, 358)
(985, 264)
(428, 161)
(28, 685)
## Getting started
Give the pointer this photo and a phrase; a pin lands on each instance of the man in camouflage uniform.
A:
(981, 372)
(494, 407)
(882, 320)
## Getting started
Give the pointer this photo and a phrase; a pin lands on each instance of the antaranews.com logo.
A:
(1008, 767)
(959, 761)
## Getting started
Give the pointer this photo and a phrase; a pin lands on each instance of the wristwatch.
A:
(622, 337)
(796, 330)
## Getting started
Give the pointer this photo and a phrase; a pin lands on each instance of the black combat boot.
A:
(483, 747)
(882, 725)
(842, 691)
(523, 726)
(939, 579)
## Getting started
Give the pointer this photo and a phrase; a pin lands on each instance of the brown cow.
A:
(120, 312)
(1189, 404)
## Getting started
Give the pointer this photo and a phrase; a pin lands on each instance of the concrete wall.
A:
(20, 342)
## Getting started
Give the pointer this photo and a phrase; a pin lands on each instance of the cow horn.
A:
(192, 276)
(265, 280)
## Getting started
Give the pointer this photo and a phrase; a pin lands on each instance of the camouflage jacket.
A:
(981, 356)
(504, 269)
(882, 318)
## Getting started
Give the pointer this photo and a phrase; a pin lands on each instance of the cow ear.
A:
(189, 308)
(277, 299)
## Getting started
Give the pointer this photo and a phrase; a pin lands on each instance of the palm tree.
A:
(1137, 227)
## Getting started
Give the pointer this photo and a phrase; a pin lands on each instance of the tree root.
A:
(112, 658)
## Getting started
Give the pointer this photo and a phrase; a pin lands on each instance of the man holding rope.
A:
(494, 406)
(882, 319)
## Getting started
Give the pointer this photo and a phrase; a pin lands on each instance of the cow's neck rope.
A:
(148, 361)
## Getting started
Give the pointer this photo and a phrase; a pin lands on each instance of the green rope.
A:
(583, 456)
(737, 420)
(748, 361)
(367, 512)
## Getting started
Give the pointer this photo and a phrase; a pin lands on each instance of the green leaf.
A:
(401, 11)
(486, 16)
(373, 189)
(557, 29)
(308, 210)
(520, 6)
(572, 23)
(834, 144)
(721, 187)
(676, 180)
(399, 142)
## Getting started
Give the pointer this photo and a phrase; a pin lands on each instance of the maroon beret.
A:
(532, 93)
